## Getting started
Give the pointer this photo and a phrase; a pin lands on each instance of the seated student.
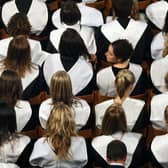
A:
(15, 148)
(159, 147)
(61, 91)
(124, 27)
(159, 43)
(114, 127)
(73, 57)
(61, 147)
(35, 10)
(118, 56)
(156, 13)
(116, 154)
(19, 59)
(11, 92)
(135, 110)
(70, 18)
(88, 15)
(158, 104)
(19, 25)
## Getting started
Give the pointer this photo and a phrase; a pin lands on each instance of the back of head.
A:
(72, 45)
(60, 129)
(18, 25)
(10, 87)
(18, 56)
(61, 88)
(122, 8)
(124, 80)
(116, 151)
(7, 123)
(122, 49)
(114, 120)
(70, 13)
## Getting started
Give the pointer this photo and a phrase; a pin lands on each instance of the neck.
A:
(121, 64)
(119, 100)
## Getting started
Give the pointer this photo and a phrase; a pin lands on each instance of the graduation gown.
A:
(80, 108)
(133, 141)
(88, 15)
(86, 33)
(44, 156)
(136, 32)
(81, 73)
(37, 14)
(106, 79)
(135, 112)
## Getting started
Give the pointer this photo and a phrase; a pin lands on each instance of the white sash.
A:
(114, 31)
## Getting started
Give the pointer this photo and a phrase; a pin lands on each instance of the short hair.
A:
(114, 120)
(18, 56)
(10, 87)
(122, 8)
(122, 49)
(116, 150)
(7, 123)
(124, 79)
(61, 88)
(70, 13)
(18, 25)
(72, 45)
(60, 129)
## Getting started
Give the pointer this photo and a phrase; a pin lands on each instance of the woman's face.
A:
(110, 56)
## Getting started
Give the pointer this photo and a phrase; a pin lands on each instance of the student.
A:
(19, 59)
(114, 127)
(88, 15)
(61, 91)
(70, 18)
(29, 8)
(118, 56)
(15, 148)
(135, 109)
(125, 27)
(19, 25)
(159, 147)
(158, 104)
(11, 92)
(73, 57)
(116, 154)
(61, 147)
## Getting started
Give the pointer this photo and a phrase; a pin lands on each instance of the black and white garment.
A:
(86, 33)
(157, 46)
(88, 15)
(159, 149)
(81, 73)
(136, 32)
(133, 141)
(106, 79)
(135, 113)
(156, 13)
(37, 55)
(158, 105)
(158, 71)
(80, 108)
(17, 151)
(44, 156)
(35, 10)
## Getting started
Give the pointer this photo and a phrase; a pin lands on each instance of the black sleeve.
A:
(140, 155)
(142, 121)
(23, 160)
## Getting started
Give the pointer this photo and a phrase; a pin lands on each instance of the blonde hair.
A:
(165, 50)
(61, 88)
(124, 79)
(60, 129)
